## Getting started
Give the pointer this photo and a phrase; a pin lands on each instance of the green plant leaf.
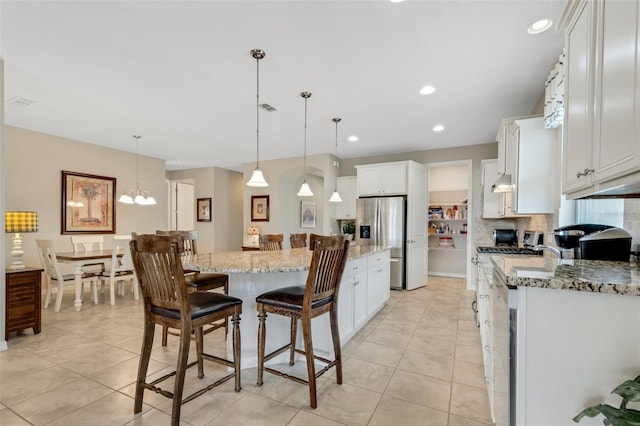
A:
(620, 416)
(629, 391)
(592, 411)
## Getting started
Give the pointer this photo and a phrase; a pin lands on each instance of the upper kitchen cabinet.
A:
(601, 135)
(347, 188)
(382, 179)
(528, 156)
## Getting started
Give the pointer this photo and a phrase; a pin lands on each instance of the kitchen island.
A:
(575, 335)
(364, 290)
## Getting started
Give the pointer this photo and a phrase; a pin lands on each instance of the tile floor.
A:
(418, 362)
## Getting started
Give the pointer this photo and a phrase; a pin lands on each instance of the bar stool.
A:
(271, 242)
(298, 240)
(196, 280)
(317, 297)
(158, 265)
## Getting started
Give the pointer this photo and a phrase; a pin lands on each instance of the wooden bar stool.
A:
(271, 242)
(167, 302)
(198, 281)
(298, 240)
(317, 297)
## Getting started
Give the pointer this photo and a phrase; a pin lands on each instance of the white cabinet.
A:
(530, 155)
(601, 136)
(382, 179)
(485, 320)
(533, 159)
(493, 203)
(364, 290)
(346, 186)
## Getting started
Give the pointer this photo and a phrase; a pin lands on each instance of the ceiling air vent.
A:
(267, 107)
(20, 101)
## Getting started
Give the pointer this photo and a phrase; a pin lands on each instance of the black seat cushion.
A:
(202, 303)
(289, 297)
(206, 280)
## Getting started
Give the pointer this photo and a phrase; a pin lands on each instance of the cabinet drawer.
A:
(377, 259)
(355, 266)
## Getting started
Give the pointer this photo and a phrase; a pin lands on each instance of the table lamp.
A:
(18, 222)
(253, 233)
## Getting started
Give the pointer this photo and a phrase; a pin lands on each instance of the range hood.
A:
(503, 184)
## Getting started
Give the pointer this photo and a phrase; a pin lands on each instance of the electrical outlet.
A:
(251, 288)
(550, 239)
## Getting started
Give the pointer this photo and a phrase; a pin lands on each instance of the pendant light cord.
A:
(257, 113)
(137, 138)
(305, 138)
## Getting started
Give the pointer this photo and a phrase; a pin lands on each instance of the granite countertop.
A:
(243, 262)
(594, 276)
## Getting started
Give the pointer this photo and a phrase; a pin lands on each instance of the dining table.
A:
(79, 260)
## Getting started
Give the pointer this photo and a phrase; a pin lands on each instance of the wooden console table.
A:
(23, 300)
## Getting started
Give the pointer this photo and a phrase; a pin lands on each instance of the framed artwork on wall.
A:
(204, 209)
(307, 214)
(259, 208)
(88, 204)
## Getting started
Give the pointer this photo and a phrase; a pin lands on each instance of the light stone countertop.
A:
(594, 276)
(244, 262)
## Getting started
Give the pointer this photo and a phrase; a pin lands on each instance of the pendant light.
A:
(305, 191)
(136, 196)
(335, 197)
(257, 179)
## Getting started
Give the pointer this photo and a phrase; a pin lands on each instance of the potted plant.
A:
(349, 229)
(629, 391)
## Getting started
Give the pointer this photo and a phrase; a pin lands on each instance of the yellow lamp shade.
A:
(21, 222)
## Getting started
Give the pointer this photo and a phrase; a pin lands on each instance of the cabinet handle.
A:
(585, 172)
(486, 322)
(379, 270)
(356, 283)
(486, 348)
(486, 379)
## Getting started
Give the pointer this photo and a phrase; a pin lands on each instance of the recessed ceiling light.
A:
(427, 90)
(352, 138)
(438, 128)
(539, 26)
(396, 1)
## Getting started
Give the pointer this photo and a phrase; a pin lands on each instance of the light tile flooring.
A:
(418, 362)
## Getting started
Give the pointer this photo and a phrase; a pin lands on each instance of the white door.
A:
(182, 206)
(416, 255)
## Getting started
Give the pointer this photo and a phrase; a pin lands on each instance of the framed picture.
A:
(308, 214)
(88, 204)
(204, 209)
(259, 208)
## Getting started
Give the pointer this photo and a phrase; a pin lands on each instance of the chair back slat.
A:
(48, 259)
(298, 240)
(158, 266)
(327, 265)
(82, 243)
(271, 242)
(188, 239)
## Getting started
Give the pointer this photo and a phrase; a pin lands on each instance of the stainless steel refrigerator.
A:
(381, 221)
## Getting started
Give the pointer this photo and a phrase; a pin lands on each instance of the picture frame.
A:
(203, 206)
(259, 208)
(307, 214)
(88, 204)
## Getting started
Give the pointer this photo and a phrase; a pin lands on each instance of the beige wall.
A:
(33, 164)
(285, 177)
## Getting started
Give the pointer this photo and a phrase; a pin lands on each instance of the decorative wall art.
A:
(204, 209)
(308, 214)
(88, 204)
(259, 208)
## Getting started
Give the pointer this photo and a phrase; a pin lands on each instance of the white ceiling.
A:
(179, 73)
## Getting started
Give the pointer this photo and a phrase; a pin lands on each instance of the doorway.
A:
(181, 205)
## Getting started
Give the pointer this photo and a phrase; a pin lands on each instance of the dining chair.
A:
(158, 264)
(298, 240)
(49, 262)
(84, 243)
(317, 297)
(312, 241)
(271, 242)
(196, 280)
(121, 268)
